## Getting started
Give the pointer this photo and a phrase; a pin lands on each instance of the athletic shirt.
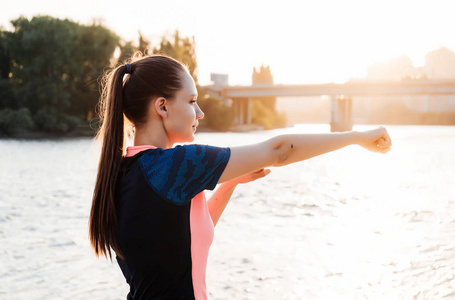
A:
(164, 226)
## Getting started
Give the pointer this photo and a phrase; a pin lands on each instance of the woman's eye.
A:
(193, 101)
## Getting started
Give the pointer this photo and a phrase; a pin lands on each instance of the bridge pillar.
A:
(242, 111)
(341, 114)
(249, 116)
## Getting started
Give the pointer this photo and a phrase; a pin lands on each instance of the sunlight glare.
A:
(302, 41)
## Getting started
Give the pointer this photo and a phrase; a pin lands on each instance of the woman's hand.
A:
(375, 140)
(251, 176)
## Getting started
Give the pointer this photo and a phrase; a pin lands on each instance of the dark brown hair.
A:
(124, 94)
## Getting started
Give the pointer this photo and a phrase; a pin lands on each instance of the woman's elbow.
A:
(279, 152)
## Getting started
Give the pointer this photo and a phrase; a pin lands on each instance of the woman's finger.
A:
(262, 173)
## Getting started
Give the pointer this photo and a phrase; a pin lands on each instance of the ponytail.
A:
(103, 214)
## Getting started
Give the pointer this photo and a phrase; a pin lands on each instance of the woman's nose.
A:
(199, 113)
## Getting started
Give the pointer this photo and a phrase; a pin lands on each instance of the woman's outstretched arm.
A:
(286, 149)
(217, 203)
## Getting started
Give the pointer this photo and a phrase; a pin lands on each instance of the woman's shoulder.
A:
(185, 149)
(195, 154)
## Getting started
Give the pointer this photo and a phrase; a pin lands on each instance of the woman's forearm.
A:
(297, 147)
(217, 203)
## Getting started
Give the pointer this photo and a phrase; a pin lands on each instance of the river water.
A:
(346, 225)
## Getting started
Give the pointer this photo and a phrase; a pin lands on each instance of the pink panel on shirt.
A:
(202, 233)
(133, 150)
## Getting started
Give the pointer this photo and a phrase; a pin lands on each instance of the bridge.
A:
(340, 95)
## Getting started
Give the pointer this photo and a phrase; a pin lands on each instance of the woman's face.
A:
(183, 113)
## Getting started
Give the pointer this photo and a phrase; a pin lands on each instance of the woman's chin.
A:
(190, 138)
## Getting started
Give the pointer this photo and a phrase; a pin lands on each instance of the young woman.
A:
(148, 203)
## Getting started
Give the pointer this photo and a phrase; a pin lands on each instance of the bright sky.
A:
(303, 41)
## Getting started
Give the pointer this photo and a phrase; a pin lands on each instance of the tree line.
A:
(50, 71)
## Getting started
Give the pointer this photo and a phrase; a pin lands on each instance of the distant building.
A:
(393, 69)
(440, 64)
(219, 79)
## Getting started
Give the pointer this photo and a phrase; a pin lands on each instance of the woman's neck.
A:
(152, 133)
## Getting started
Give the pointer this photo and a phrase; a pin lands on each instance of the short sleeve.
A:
(180, 173)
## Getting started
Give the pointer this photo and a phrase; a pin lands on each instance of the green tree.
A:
(54, 67)
(218, 116)
(143, 44)
(6, 89)
(263, 116)
(261, 76)
(5, 57)
(7, 99)
(12, 120)
(183, 49)
(263, 109)
(180, 48)
(96, 47)
(127, 49)
(15, 121)
(41, 62)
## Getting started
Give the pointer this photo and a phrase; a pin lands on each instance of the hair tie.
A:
(128, 68)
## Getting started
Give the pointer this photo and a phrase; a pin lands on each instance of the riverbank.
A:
(32, 135)
(245, 128)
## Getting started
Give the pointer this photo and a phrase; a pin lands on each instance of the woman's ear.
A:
(160, 107)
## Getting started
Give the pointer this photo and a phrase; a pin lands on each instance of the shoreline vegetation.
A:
(51, 69)
(88, 132)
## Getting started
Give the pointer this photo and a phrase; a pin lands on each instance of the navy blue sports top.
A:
(164, 227)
